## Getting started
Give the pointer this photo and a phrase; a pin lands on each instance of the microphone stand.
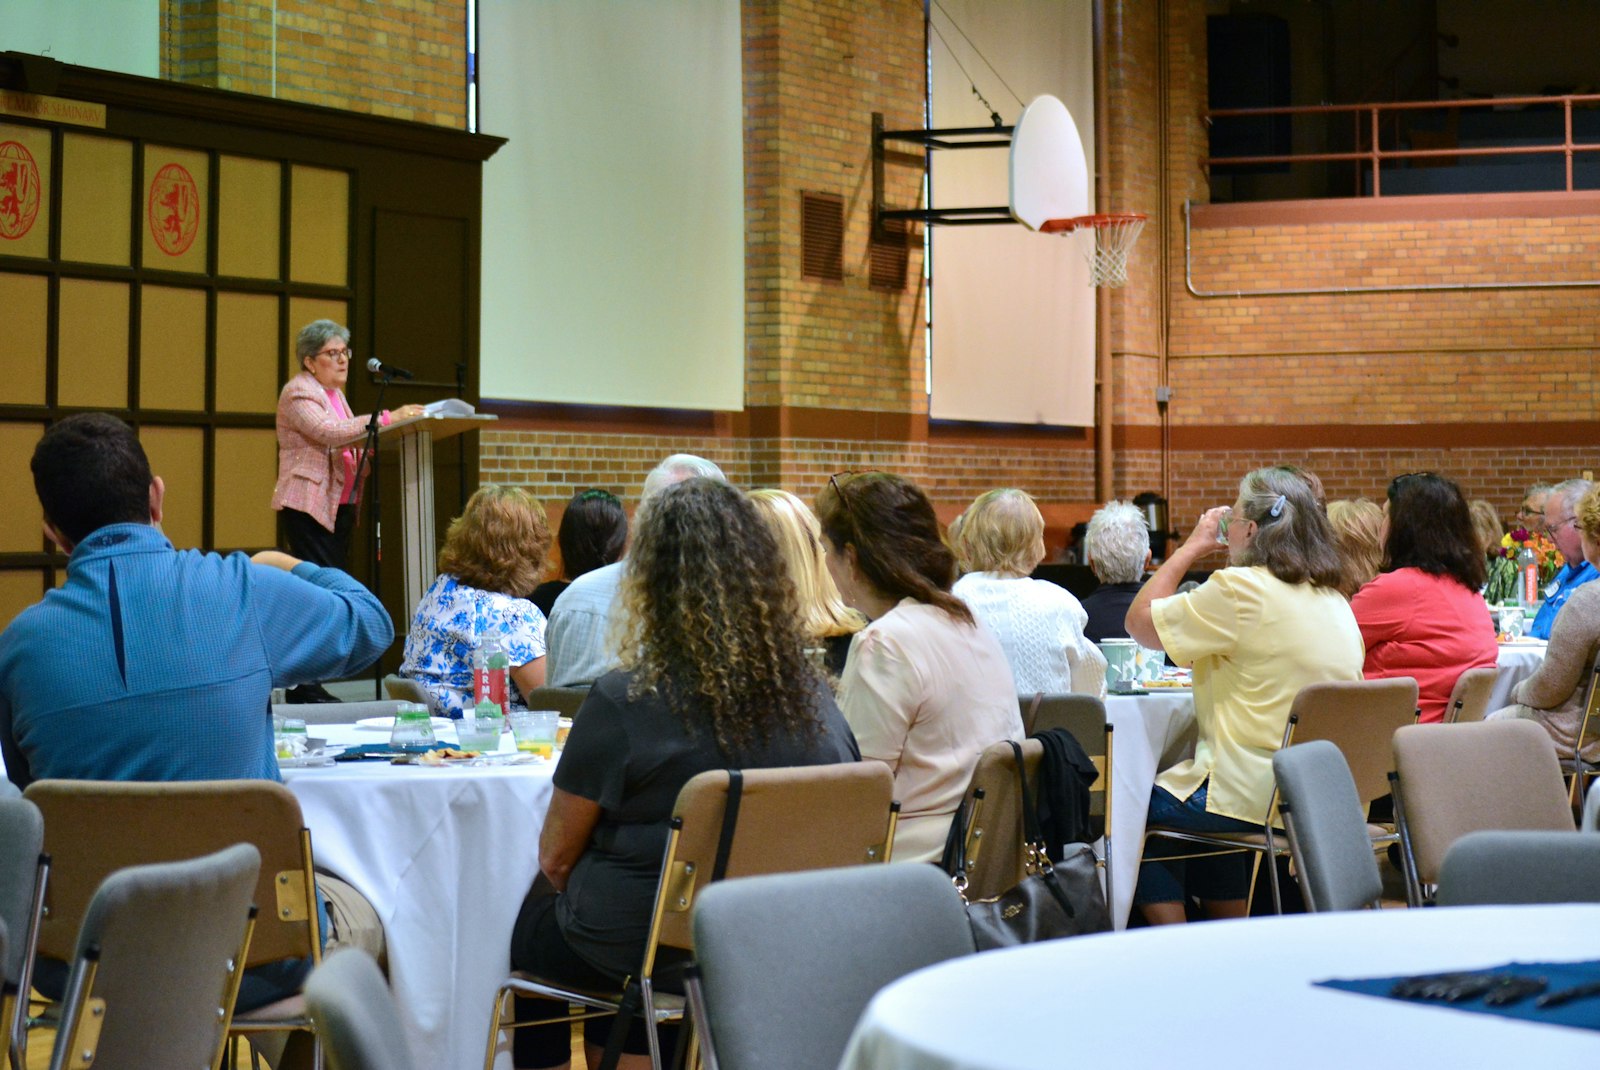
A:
(369, 451)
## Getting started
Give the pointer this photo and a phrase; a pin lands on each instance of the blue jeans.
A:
(1167, 875)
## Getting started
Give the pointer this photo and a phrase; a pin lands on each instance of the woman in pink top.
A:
(318, 488)
(1422, 616)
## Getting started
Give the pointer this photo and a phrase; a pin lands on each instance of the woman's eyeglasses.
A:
(338, 355)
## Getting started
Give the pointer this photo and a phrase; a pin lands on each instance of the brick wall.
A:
(406, 59)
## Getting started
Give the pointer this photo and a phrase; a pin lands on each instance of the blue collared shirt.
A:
(1569, 579)
(155, 664)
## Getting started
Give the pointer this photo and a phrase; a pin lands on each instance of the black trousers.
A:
(538, 946)
(310, 541)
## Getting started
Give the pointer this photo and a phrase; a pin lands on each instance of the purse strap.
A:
(730, 818)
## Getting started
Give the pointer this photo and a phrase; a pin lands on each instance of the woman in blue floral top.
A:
(496, 547)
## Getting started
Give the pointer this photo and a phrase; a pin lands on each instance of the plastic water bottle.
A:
(1527, 578)
(491, 670)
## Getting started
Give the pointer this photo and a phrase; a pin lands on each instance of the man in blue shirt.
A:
(152, 663)
(1561, 521)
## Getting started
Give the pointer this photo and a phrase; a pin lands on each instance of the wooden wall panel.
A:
(172, 348)
(93, 329)
(177, 455)
(248, 196)
(20, 532)
(176, 204)
(96, 192)
(247, 338)
(24, 340)
(319, 226)
(246, 470)
(25, 169)
(18, 591)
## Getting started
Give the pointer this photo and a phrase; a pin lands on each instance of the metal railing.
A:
(1368, 120)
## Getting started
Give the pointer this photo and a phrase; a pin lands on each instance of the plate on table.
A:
(310, 761)
(385, 724)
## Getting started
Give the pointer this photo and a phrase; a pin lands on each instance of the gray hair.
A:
(1118, 541)
(676, 469)
(314, 335)
(1570, 492)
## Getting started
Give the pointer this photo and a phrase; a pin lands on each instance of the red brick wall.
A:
(406, 59)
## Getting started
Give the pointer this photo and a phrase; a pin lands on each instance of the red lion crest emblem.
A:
(19, 190)
(174, 209)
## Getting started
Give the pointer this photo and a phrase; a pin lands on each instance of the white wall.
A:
(613, 246)
(113, 35)
(1013, 314)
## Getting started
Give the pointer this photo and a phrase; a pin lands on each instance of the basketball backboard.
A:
(1049, 173)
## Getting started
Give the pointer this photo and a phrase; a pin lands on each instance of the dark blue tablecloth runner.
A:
(1579, 1014)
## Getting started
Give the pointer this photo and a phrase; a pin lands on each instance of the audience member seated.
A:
(593, 532)
(1039, 624)
(1358, 529)
(1554, 695)
(1118, 544)
(713, 675)
(493, 550)
(152, 663)
(1561, 522)
(1423, 616)
(579, 635)
(1487, 527)
(1256, 632)
(1531, 515)
(927, 687)
(828, 624)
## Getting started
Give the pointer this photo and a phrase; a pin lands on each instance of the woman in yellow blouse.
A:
(1256, 632)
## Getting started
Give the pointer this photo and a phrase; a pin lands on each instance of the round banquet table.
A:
(1205, 995)
(445, 855)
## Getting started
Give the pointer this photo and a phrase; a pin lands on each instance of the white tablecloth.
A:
(1517, 662)
(1209, 995)
(1149, 733)
(445, 856)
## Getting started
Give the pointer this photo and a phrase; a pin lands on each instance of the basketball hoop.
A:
(1112, 237)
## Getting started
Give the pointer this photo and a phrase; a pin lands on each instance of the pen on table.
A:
(1567, 995)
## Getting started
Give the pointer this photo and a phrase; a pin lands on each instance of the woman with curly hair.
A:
(927, 687)
(494, 551)
(713, 675)
(828, 623)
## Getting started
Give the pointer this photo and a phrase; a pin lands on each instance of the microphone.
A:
(378, 367)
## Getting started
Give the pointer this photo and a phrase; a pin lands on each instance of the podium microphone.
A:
(378, 367)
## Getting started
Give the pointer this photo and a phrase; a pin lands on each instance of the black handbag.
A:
(1054, 900)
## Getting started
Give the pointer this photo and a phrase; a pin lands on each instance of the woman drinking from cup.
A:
(1256, 632)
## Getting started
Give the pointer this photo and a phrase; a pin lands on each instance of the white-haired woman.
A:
(1118, 543)
(828, 623)
(1039, 624)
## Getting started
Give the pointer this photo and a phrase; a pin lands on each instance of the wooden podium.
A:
(414, 439)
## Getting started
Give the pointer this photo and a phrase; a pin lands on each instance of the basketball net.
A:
(1109, 240)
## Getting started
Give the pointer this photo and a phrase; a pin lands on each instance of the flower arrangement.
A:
(1503, 563)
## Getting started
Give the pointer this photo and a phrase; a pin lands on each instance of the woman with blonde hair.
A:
(1039, 623)
(828, 623)
(1358, 527)
(1487, 526)
(494, 551)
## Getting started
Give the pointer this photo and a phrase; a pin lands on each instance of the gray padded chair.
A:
(24, 872)
(401, 689)
(787, 963)
(1500, 867)
(564, 700)
(154, 975)
(1469, 698)
(1327, 828)
(355, 1014)
(1591, 812)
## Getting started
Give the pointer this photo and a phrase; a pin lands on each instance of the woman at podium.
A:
(318, 486)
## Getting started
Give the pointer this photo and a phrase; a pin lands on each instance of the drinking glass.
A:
(412, 726)
(481, 734)
(535, 732)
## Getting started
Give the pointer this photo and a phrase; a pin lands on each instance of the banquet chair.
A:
(1493, 867)
(1326, 826)
(356, 1014)
(1578, 769)
(826, 942)
(1469, 697)
(1591, 813)
(1085, 717)
(1357, 716)
(564, 700)
(995, 854)
(786, 820)
(1451, 779)
(401, 689)
(24, 873)
(155, 964)
(95, 827)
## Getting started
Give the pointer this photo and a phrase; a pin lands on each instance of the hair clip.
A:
(1277, 506)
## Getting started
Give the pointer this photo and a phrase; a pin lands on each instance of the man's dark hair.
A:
(1430, 528)
(89, 471)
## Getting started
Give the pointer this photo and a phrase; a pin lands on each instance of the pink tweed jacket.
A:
(310, 470)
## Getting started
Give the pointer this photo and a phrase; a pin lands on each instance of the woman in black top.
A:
(714, 676)
(593, 532)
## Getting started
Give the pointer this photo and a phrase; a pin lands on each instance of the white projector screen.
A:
(1013, 314)
(613, 238)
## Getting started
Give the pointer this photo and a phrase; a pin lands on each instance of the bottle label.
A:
(1530, 584)
(491, 684)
